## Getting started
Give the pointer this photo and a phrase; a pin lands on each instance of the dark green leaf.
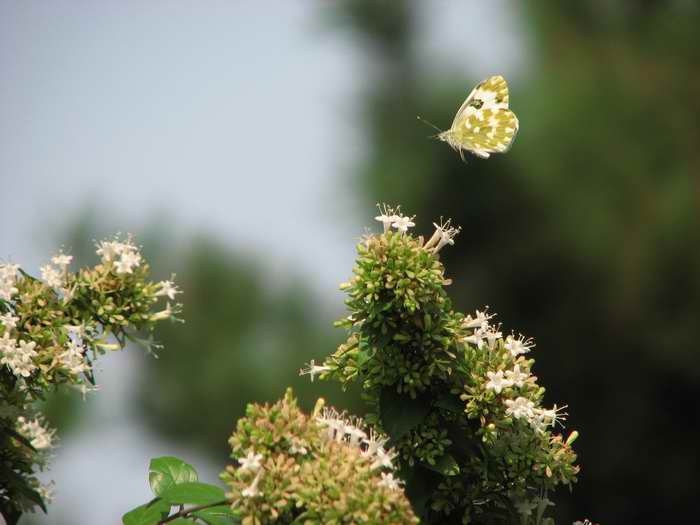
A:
(451, 403)
(166, 471)
(194, 493)
(148, 514)
(400, 414)
(445, 465)
(219, 515)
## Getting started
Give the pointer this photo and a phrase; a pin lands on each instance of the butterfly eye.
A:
(476, 103)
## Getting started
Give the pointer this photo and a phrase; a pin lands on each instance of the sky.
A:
(231, 118)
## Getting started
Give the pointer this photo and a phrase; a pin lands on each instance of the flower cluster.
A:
(51, 331)
(326, 468)
(456, 397)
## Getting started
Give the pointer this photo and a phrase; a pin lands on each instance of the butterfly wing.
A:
(484, 124)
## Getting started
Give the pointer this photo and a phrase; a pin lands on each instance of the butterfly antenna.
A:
(430, 124)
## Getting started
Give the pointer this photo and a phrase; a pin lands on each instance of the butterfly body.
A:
(484, 124)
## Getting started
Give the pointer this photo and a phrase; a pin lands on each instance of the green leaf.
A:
(194, 493)
(219, 515)
(181, 521)
(445, 465)
(166, 471)
(451, 403)
(400, 414)
(148, 514)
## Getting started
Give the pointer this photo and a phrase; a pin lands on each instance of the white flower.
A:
(402, 223)
(444, 234)
(163, 314)
(387, 216)
(298, 447)
(355, 435)
(9, 321)
(313, 370)
(7, 290)
(480, 320)
(39, 435)
(520, 408)
(52, 276)
(334, 422)
(47, 492)
(476, 338)
(374, 443)
(543, 418)
(389, 481)
(517, 377)
(383, 459)
(62, 260)
(18, 358)
(108, 250)
(492, 335)
(252, 491)
(73, 358)
(8, 273)
(167, 288)
(127, 262)
(497, 382)
(518, 346)
(251, 461)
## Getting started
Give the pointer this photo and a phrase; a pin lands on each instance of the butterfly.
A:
(484, 124)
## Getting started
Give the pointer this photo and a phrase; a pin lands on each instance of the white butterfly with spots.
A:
(484, 124)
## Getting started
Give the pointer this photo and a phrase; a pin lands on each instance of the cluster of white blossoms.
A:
(508, 380)
(39, 435)
(345, 429)
(18, 355)
(391, 217)
(55, 273)
(124, 255)
(252, 463)
(8, 280)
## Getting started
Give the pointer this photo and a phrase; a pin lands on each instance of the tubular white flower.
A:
(18, 358)
(387, 215)
(383, 459)
(73, 358)
(313, 370)
(38, 434)
(521, 407)
(252, 490)
(9, 321)
(496, 381)
(518, 346)
(62, 260)
(480, 320)
(517, 377)
(251, 461)
(127, 262)
(444, 234)
(389, 481)
(402, 224)
(52, 276)
(168, 289)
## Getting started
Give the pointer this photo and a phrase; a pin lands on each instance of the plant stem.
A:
(185, 512)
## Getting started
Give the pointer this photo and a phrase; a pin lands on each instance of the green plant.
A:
(457, 398)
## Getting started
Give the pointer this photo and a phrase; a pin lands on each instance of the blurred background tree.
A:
(584, 236)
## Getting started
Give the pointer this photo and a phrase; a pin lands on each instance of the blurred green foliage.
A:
(246, 335)
(584, 236)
